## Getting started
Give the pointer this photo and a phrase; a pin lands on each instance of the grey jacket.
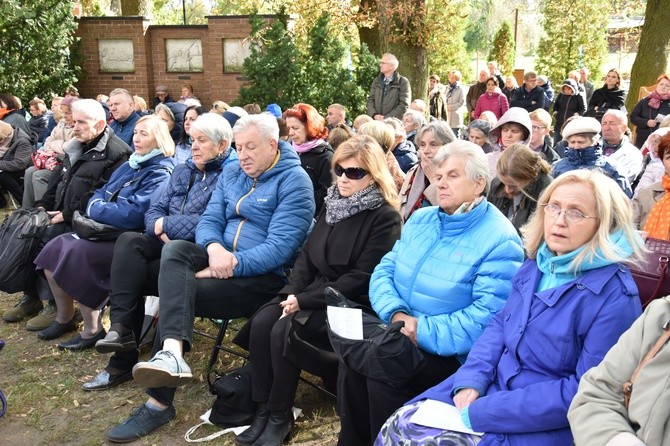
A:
(391, 101)
(597, 414)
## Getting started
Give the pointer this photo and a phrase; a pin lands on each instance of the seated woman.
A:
(358, 225)
(585, 152)
(403, 150)
(598, 414)
(15, 150)
(646, 111)
(173, 113)
(445, 278)
(570, 302)
(420, 188)
(478, 133)
(78, 269)
(653, 202)
(35, 180)
(653, 168)
(384, 134)
(173, 215)
(522, 176)
(515, 127)
(308, 132)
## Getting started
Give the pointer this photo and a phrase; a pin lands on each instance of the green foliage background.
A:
(35, 41)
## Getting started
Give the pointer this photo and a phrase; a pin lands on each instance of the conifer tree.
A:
(503, 51)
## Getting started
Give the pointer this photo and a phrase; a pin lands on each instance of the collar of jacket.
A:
(586, 156)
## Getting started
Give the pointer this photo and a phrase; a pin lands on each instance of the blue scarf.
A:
(136, 160)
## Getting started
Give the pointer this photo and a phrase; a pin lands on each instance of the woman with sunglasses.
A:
(569, 303)
(308, 132)
(445, 278)
(358, 225)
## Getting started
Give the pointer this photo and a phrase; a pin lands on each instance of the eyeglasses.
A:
(537, 128)
(571, 215)
(353, 173)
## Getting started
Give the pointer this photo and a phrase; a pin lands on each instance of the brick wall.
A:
(150, 60)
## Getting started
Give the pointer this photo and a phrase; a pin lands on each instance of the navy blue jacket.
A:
(183, 201)
(405, 153)
(124, 129)
(523, 98)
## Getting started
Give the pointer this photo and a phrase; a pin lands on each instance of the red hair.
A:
(665, 76)
(315, 124)
(664, 145)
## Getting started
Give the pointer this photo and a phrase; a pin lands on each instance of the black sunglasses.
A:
(353, 173)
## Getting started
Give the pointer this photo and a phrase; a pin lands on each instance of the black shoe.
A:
(141, 422)
(78, 344)
(104, 380)
(114, 342)
(278, 430)
(249, 436)
(56, 329)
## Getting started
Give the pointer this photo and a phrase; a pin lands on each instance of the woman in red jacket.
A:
(492, 100)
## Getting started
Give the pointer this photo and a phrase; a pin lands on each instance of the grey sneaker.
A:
(141, 422)
(163, 370)
(44, 318)
(27, 306)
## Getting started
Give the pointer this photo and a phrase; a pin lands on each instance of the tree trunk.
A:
(414, 66)
(652, 58)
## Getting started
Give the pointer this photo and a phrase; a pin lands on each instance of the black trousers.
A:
(134, 274)
(183, 297)
(12, 183)
(364, 404)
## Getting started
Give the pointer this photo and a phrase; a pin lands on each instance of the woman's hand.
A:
(55, 217)
(221, 261)
(465, 397)
(428, 169)
(290, 305)
(409, 329)
(651, 123)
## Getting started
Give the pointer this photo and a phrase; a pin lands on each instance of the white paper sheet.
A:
(441, 415)
(346, 322)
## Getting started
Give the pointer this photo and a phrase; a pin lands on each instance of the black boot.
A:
(249, 436)
(278, 430)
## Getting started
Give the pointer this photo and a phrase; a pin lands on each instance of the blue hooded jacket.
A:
(263, 220)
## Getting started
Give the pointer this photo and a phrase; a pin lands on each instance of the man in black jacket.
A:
(390, 93)
(529, 95)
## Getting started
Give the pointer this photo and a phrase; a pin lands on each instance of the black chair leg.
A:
(218, 344)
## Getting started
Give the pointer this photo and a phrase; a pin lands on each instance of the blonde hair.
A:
(383, 133)
(360, 120)
(366, 150)
(159, 129)
(613, 210)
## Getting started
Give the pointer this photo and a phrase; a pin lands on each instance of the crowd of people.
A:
(501, 249)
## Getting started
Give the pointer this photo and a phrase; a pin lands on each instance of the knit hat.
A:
(481, 125)
(161, 88)
(579, 125)
(274, 109)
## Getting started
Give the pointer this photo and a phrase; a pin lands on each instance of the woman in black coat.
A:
(607, 97)
(522, 176)
(357, 226)
(645, 112)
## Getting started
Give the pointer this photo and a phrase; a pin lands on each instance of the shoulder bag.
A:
(652, 277)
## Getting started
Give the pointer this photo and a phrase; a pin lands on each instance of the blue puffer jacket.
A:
(591, 158)
(452, 272)
(528, 363)
(180, 205)
(263, 220)
(405, 153)
(128, 210)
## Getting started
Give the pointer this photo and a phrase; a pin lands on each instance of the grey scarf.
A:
(340, 208)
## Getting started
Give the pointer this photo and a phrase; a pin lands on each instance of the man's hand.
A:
(221, 261)
(378, 117)
(409, 329)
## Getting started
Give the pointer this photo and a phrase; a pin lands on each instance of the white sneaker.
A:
(165, 369)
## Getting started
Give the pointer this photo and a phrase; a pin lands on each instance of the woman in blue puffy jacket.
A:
(78, 269)
(445, 278)
(570, 302)
(173, 215)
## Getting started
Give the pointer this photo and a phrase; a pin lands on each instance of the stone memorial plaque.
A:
(235, 51)
(184, 55)
(116, 55)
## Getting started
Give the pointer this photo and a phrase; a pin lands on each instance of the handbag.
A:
(233, 405)
(88, 229)
(651, 277)
(384, 353)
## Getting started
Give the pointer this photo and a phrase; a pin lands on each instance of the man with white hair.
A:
(390, 93)
(617, 146)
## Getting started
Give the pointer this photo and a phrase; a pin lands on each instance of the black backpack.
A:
(233, 405)
(20, 239)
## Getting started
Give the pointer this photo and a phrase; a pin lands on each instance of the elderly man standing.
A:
(122, 109)
(617, 146)
(475, 91)
(89, 162)
(255, 222)
(390, 93)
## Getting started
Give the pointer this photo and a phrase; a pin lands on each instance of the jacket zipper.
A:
(237, 211)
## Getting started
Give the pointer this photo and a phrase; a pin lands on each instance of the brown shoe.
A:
(27, 306)
(44, 319)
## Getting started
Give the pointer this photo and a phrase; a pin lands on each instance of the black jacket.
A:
(527, 206)
(316, 163)
(604, 99)
(72, 184)
(641, 114)
(567, 106)
(529, 100)
(17, 158)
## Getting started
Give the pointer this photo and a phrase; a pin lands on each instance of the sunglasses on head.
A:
(353, 173)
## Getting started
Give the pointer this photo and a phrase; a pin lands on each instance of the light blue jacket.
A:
(264, 221)
(452, 272)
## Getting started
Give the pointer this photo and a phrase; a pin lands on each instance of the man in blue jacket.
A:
(256, 220)
(122, 109)
(529, 96)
